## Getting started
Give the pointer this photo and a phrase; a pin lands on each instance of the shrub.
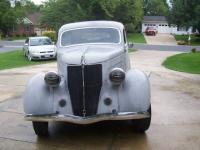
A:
(181, 42)
(50, 34)
(130, 28)
(194, 50)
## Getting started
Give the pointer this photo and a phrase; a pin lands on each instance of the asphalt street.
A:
(14, 45)
(179, 48)
(6, 46)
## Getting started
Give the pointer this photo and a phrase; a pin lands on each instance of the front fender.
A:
(134, 93)
(38, 98)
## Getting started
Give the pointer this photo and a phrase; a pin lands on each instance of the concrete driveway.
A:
(161, 39)
(175, 121)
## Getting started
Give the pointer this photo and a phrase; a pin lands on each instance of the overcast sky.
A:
(40, 1)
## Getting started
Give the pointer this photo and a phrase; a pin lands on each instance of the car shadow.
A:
(102, 135)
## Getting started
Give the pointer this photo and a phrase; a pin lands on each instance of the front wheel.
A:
(41, 128)
(29, 57)
(141, 125)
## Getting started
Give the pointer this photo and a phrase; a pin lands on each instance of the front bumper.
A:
(43, 55)
(88, 120)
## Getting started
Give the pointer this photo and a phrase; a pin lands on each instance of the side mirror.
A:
(26, 44)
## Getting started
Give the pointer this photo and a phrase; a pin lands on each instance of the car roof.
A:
(97, 24)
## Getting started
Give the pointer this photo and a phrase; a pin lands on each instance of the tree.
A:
(7, 17)
(186, 13)
(156, 8)
(59, 12)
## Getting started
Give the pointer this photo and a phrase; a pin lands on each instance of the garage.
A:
(161, 24)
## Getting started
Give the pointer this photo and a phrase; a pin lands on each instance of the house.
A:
(35, 21)
(161, 24)
(29, 26)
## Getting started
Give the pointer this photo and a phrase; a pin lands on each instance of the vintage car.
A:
(94, 81)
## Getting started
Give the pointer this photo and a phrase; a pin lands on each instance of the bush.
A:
(181, 42)
(194, 50)
(130, 28)
(50, 34)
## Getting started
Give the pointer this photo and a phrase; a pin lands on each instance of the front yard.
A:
(136, 38)
(16, 59)
(185, 62)
(195, 40)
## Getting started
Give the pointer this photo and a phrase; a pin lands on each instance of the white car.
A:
(94, 81)
(39, 48)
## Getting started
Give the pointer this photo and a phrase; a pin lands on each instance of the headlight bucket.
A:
(117, 76)
(52, 79)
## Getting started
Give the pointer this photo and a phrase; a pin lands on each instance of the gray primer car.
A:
(94, 80)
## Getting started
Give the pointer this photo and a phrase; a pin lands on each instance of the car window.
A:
(90, 35)
(40, 41)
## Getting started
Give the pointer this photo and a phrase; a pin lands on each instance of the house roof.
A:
(34, 18)
(155, 19)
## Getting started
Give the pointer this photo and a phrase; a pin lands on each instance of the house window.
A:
(160, 25)
(166, 25)
(27, 28)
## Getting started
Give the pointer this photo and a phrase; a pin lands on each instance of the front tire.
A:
(141, 125)
(29, 57)
(41, 128)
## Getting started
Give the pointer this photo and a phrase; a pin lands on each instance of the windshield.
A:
(90, 35)
(40, 41)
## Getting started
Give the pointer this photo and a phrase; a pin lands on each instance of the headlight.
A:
(117, 76)
(52, 79)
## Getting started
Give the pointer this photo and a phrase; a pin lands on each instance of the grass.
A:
(195, 40)
(136, 38)
(185, 62)
(16, 59)
(14, 38)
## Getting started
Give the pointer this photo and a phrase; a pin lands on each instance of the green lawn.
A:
(136, 38)
(195, 40)
(185, 62)
(14, 38)
(16, 59)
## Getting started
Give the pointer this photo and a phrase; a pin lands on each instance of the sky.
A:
(38, 1)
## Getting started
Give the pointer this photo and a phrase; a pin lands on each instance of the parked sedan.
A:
(39, 48)
(151, 31)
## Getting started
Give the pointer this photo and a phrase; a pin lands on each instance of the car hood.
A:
(90, 54)
(42, 48)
